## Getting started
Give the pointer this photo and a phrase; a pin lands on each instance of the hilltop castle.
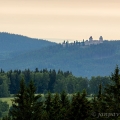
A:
(94, 42)
(84, 43)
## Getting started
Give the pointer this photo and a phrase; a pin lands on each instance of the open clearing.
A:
(8, 100)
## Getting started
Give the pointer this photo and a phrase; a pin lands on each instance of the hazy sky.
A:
(61, 19)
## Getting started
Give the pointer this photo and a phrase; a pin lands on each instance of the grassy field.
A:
(8, 100)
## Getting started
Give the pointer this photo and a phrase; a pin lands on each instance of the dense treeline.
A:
(105, 105)
(49, 80)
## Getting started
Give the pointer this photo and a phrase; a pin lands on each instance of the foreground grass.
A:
(8, 100)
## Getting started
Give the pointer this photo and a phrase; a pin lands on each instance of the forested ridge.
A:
(19, 52)
(61, 106)
(15, 42)
(12, 45)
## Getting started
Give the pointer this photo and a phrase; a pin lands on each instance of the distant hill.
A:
(12, 44)
(15, 42)
(84, 61)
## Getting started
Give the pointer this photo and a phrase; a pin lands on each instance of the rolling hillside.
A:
(84, 61)
(12, 45)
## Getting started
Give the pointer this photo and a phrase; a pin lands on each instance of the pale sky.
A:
(61, 19)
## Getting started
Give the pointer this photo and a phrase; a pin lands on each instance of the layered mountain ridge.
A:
(19, 52)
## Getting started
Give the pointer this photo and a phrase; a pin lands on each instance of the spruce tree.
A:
(108, 101)
(99, 106)
(80, 107)
(48, 106)
(52, 107)
(64, 106)
(55, 111)
(112, 94)
(26, 106)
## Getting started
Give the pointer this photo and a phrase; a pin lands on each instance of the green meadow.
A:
(8, 100)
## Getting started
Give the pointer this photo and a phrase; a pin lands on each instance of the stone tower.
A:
(101, 39)
(90, 40)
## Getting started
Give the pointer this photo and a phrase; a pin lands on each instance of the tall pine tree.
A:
(26, 106)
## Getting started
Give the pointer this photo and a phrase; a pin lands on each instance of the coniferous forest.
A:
(47, 90)
(57, 95)
(49, 80)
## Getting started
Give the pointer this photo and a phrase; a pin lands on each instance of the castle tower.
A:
(90, 40)
(101, 39)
